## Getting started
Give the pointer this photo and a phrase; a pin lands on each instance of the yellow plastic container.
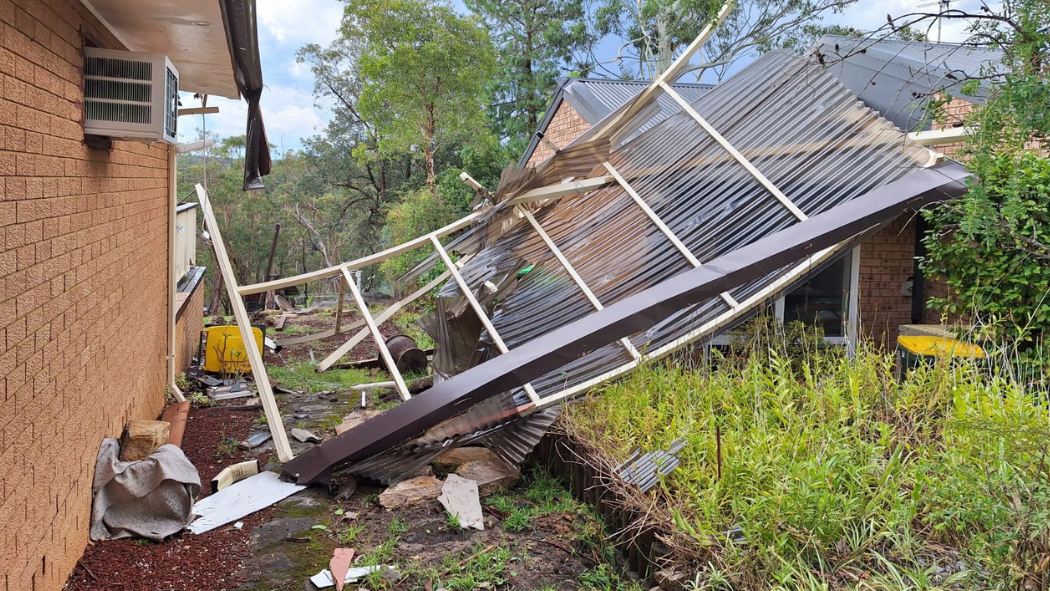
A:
(224, 349)
(930, 346)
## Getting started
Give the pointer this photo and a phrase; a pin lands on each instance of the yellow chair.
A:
(224, 349)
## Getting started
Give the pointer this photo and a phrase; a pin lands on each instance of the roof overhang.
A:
(191, 33)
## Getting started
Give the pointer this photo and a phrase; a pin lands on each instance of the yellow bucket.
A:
(224, 350)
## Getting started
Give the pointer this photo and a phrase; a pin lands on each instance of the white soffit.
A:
(189, 32)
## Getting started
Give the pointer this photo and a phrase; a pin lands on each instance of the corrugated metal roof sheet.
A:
(595, 98)
(897, 78)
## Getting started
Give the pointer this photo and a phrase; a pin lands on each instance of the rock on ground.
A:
(354, 419)
(456, 457)
(409, 492)
(491, 475)
(141, 438)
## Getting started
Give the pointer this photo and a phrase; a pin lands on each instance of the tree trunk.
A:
(663, 43)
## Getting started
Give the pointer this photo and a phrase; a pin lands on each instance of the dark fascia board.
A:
(186, 206)
(631, 315)
(534, 141)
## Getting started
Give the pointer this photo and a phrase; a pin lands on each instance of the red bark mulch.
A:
(184, 561)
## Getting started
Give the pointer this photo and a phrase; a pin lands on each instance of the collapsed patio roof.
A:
(666, 233)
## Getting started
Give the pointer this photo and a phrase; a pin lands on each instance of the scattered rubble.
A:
(142, 438)
(255, 440)
(234, 473)
(324, 578)
(355, 418)
(305, 436)
(339, 565)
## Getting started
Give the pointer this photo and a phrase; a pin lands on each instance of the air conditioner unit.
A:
(130, 95)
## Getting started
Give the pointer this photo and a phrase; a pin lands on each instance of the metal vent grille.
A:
(118, 90)
(171, 103)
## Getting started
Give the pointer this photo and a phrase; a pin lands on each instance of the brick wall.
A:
(887, 260)
(82, 295)
(955, 113)
(566, 125)
(189, 322)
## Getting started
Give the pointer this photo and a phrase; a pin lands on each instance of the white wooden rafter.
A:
(728, 147)
(668, 232)
(574, 275)
(478, 309)
(384, 352)
(255, 360)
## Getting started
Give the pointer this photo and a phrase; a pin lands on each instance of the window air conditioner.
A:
(130, 95)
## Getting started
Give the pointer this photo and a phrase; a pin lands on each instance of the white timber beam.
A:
(357, 263)
(199, 111)
(574, 275)
(576, 187)
(377, 336)
(722, 141)
(255, 360)
(478, 309)
(380, 319)
(940, 137)
(194, 146)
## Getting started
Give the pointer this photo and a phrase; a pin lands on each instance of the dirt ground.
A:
(536, 536)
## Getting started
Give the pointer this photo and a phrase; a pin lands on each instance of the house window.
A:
(827, 299)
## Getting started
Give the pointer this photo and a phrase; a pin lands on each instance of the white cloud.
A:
(868, 16)
(301, 21)
(288, 113)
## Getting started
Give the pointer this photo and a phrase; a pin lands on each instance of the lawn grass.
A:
(837, 475)
(302, 377)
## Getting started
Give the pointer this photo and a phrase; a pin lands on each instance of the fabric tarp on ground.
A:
(150, 498)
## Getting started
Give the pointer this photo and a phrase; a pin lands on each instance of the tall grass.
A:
(837, 475)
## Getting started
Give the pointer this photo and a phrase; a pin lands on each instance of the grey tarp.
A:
(150, 498)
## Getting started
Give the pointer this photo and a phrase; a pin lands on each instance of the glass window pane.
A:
(823, 299)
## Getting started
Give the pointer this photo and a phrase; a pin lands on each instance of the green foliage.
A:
(992, 246)
(658, 30)
(834, 471)
(537, 41)
(419, 212)
(422, 70)
(982, 249)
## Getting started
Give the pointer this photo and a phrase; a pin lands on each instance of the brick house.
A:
(87, 255)
(896, 79)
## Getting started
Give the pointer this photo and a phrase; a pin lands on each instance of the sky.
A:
(288, 105)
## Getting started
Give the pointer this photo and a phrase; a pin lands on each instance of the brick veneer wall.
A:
(566, 125)
(82, 296)
(887, 260)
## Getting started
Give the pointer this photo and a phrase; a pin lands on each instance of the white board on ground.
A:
(240, 499)
(324, 578)
(460, 498)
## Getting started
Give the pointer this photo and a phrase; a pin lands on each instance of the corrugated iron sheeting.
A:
(793, 121)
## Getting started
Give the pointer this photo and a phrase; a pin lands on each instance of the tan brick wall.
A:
(189, 322)
(566, 125)
(887, 260)
(82, 295)
(955, 113)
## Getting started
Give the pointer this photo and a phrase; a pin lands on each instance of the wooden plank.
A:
(573, 274)
(262, 380)
(377, 336)
(728, 147)
(339, 308)
(477, 307)
(682, 248)
(381, 318)
(562, 190)
(669, 75)
(199, 111)
(357, 263)
(279, 325)
(324, 334)
(937, 137)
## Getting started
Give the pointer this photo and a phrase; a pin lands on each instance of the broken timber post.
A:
(262, 380)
